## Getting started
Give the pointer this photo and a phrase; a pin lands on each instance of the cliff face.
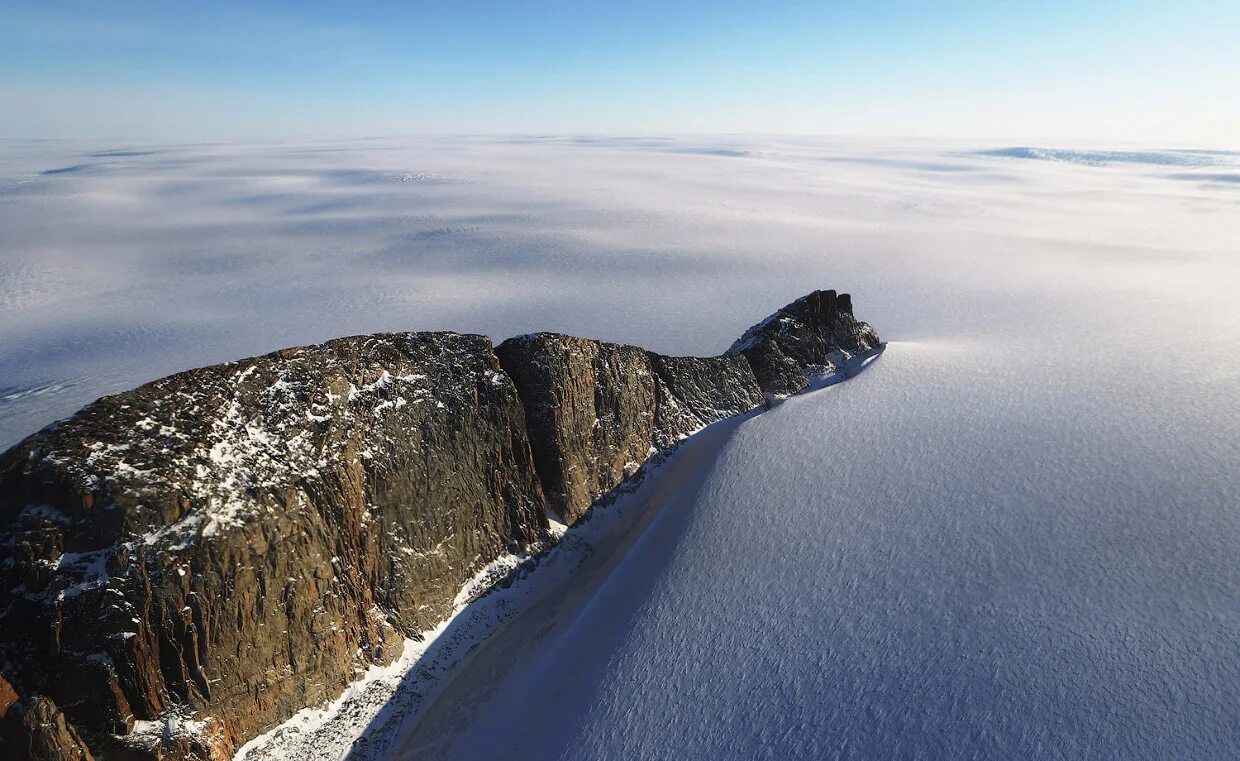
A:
(805, 340)
(234, 541)
(597, 410)
(589, 407)
(187, 564)
(693, 392)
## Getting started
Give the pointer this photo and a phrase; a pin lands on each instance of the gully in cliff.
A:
(230, 544)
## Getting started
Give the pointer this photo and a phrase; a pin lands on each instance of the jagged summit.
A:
(232, 543)
(811, 336)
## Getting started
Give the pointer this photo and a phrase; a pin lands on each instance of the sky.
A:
(1138, 71)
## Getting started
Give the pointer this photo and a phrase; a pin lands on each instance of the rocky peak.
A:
(806, 340)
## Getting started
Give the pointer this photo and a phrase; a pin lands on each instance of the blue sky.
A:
(1136, 71)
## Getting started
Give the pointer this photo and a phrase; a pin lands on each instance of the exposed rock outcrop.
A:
(41, 732)
(589, 407)
(187, 564)
(595, 410)
(805, 340)
(234, 542)
(693, 392)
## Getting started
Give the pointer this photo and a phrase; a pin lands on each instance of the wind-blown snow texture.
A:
(1013, 537)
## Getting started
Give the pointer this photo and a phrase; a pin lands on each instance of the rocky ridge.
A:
(189, 563)
(805, 340)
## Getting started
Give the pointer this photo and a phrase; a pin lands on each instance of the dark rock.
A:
(228, 540)
(597, 410)
(187, 564)
(38, 731)
(805, 340)
(589, 406)
(693, 392)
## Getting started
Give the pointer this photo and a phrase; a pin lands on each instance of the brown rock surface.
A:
(41, 732)
(187, 564)
(589, 406)
(809, 338)
(234, 541)
(8, 696)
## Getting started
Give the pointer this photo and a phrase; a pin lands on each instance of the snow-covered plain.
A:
(1014, 536)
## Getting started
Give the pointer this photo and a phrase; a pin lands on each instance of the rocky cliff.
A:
(187, 564)
(597, 410)
(806, 340)
(233, 542)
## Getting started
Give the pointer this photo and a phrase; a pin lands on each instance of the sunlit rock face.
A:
(234, 541)
(590, 410)
(810, 337)
(189, 563)
(693, 392)
(597, 410)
